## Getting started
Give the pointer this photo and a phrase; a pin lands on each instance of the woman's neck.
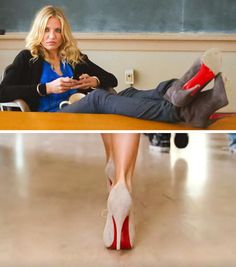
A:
(53, 57)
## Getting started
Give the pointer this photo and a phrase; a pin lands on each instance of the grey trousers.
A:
(143, 104)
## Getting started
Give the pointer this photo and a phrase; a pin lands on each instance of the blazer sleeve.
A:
(106, 79)
(16, 83)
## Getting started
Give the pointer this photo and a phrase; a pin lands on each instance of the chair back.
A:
(16, 105)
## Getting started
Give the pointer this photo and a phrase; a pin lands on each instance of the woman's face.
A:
(52, 38)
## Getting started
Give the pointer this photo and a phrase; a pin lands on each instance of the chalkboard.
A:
(127, 15)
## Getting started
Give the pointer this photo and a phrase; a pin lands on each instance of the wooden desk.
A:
(10, 120)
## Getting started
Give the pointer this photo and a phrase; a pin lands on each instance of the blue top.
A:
(51, 102)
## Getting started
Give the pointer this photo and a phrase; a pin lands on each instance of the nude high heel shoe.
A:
(184, 90)
(110, 173)
(119, 229)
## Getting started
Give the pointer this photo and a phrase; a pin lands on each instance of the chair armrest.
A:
(16, 105)
(22, 104)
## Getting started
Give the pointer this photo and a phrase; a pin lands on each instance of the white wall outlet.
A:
(129, 76)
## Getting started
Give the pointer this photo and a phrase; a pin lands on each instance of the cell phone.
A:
(76, 76)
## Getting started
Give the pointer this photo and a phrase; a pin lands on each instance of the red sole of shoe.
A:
(125, 240)
(204, 76)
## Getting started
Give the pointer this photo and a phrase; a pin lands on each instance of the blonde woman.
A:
(43, 74)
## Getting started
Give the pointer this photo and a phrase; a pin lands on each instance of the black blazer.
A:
(23, 76)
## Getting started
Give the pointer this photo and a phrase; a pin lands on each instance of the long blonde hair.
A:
(68, 50)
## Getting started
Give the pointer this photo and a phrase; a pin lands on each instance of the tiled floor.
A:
(53, 200)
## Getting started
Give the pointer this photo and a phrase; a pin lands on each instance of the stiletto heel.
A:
(119, 229)
(184, 90)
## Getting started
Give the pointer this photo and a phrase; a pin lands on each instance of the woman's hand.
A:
(85, 82)
(61, 85)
